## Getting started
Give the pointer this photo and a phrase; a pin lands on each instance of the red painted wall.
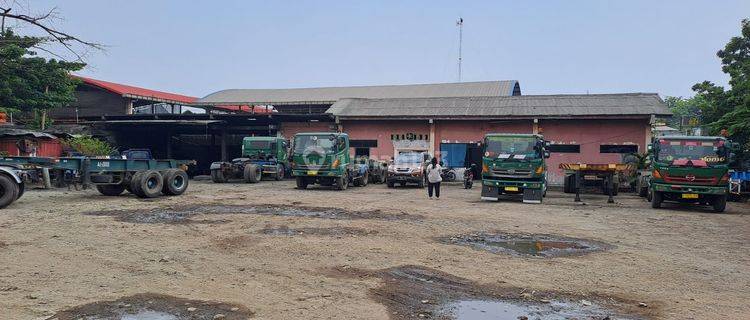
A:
(45, 147)
(381, 131)
(590, 134)
(289, 129)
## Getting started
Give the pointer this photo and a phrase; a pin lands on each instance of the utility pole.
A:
(460, 24)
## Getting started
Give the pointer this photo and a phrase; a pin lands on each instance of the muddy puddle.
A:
(150, 306)
(191, 214)
(414, 292)
(535, 245)
(333, 231)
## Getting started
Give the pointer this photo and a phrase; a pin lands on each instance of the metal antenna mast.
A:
(460, 24)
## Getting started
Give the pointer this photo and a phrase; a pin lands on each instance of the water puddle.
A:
(534, 245)
(333, 231)
(150, 306)
(187, 214)
(506, 310)
(415, 292)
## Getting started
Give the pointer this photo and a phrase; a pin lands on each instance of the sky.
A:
(550, 47)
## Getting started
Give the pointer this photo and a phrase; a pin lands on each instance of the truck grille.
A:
(690, 179)
(512, 172)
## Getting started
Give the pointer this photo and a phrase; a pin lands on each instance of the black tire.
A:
(8, 190)
(134, 185)
(342, 182)
(569, 185)
(111, 190)
(365, 179)
(217, 176)
(420, 184)
(450, 176)
(719, 203)
(252, 173)
(643, 191)
(301, 183)
(390, 184)
(280, 172)
(150, 184)
(21, 190)
(175, 182)
(656, 199)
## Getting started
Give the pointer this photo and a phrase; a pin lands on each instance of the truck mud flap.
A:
(532, 195)
(490, 193)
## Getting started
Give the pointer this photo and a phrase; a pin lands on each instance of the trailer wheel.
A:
(8, 191)
(252, 173)
(342, 182)
(150, 184)
(110, 190)
(175, 182)
(217, 176)
(301, 183)
(656, 199)
(134, 186)
(280, 172)
(719, 203)
(569, 184)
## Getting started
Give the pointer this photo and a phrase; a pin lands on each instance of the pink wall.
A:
(381, 130)
(590, 134)
(289, 129)
(474, 131)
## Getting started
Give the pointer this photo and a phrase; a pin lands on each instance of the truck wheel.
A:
(217, 176)
(365, 179)
(301, 183)
(134, 186)
(569, 184)
(8, 191)
(280, 172)
(719, 203)
(642, 191)
(111, 190)
(175, 182)
(342, 182)
(656, 199)
(252, 173)
(21, 190)
(150, 184)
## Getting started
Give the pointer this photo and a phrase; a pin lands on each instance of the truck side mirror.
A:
(546, 154)
(649, 147)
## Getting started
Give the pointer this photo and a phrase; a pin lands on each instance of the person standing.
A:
(433, 178)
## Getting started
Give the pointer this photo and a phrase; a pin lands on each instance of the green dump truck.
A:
(323, 158)
(514, 164)
(261, 156)
(690, 169)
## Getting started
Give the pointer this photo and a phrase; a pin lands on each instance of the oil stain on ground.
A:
(415, 292)
(187, 214)
(149, 306)
(535, 245)
(333, 231)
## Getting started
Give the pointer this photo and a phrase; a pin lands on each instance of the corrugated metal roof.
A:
(138, 93)
(505, 107)
(333, 94)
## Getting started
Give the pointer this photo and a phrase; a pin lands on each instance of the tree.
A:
(687, 113)
(32, 84)
(730, 109)
(29, 83)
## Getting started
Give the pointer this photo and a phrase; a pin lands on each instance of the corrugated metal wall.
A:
(45, 147)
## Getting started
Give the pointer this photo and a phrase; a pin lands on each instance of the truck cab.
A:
(690, 169)
(260, 156)
(323, 158)
(514, 164)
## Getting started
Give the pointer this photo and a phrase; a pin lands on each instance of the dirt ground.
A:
(61, 249)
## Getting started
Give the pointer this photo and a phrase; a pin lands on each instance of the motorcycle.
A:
(448, 174)
(469, 176)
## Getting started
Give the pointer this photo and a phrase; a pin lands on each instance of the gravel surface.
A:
(58, 251)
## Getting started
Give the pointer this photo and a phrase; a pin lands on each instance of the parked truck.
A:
(261, 156)
(110, 176)
(323, 158)
(514, 164)
(690, 169)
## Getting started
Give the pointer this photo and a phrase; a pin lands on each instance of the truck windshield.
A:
(322, 144)
(261, 145)
(511, 147)
(409, 157)
(708, 151)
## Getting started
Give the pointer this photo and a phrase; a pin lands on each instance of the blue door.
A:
(453, 155)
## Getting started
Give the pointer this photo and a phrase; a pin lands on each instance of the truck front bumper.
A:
(492, 189)
(315, 173)
(686, 188)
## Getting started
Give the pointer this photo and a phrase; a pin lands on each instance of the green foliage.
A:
(89, 146)
(730, 109)
(685, 109)
(29, 82)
